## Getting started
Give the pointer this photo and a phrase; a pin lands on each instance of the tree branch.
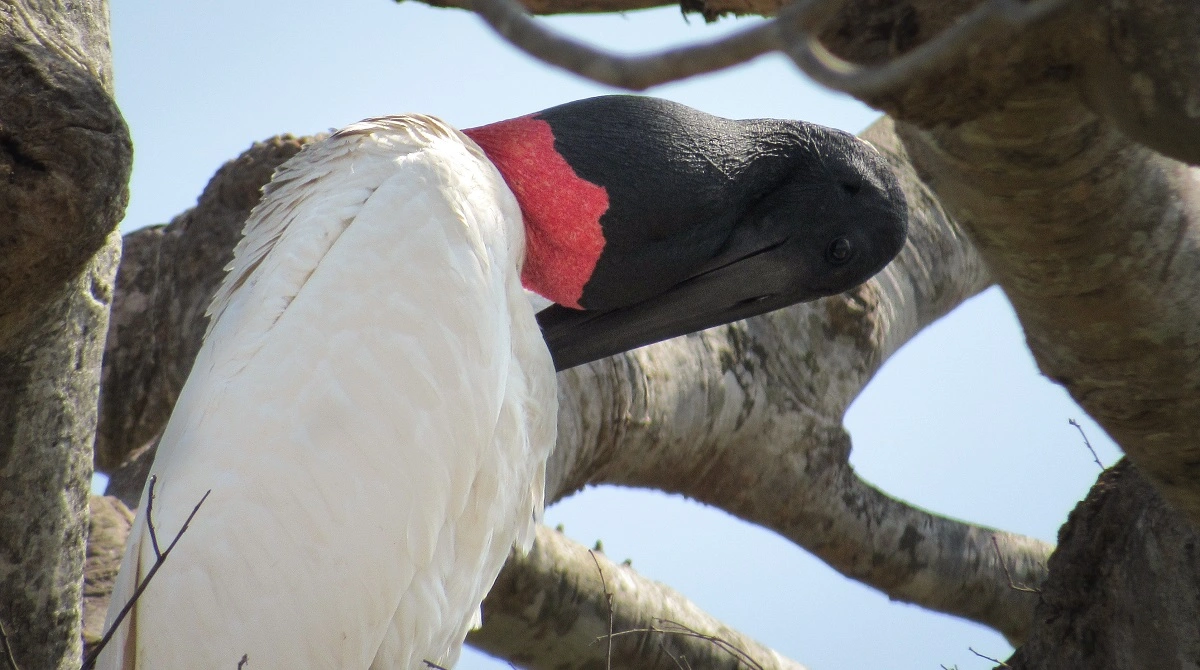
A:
(1096, 241)
(553, 603)
(796, 32)
(511, 22)
(803, 45)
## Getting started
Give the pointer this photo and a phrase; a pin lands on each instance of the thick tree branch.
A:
(1096, 241)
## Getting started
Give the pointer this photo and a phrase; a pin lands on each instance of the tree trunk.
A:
(65, 157)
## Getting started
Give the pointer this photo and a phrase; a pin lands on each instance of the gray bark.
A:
(65, 157)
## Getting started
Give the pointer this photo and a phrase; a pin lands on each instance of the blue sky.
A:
(959, 421)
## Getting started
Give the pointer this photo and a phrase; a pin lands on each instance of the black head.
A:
(712, 220)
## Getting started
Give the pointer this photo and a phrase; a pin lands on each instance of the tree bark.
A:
(65, 157)
(1124, 586)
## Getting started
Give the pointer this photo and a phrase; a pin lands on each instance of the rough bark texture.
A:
(1125, 576)
(64, 150)
(164, 285)
(51, 373)
(65, 157)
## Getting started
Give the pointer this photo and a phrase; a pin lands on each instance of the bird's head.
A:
(646, 219)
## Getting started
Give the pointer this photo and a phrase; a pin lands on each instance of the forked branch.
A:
(794, 32)
(160, 557)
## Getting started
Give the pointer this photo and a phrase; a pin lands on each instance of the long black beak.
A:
(732, 286)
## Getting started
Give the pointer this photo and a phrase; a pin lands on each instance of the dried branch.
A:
(1087, 443)
(637, 73)
(608, 599)
(997, 661)
(8, 652)
(795, 32)
(666, 627)
(1004, 564)
(160, 558)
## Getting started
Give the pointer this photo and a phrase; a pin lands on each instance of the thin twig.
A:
(431, 664)
(682, 665)
(794, 31)
(989, 658)
(150, 518)
(805, 49)
(245, 660)
(161, 558)
(1086, 443)
(510, 20)
(1004, 564)
(684, 631)
(8, 652)
(608, 598)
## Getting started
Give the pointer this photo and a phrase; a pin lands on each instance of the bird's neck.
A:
(563, 235)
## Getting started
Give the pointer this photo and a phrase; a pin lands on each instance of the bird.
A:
(375, 399)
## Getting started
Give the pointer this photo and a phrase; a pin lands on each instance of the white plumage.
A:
(372, 409)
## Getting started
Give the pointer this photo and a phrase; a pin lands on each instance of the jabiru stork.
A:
(375, 399)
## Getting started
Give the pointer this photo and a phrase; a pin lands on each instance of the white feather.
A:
(372, 408)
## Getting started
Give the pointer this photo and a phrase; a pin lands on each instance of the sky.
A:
(959, 421)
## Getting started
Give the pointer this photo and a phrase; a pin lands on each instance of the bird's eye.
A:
(839, 251)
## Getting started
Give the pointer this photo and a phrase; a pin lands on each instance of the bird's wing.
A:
(360, 414)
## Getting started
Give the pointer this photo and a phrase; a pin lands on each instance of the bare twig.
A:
(989, 658)
(8, 652)
(669, 627)
(1086, 443)
(795, 32)
(1003, 564)
(431, 664)
(150, 518)
(608, 598)
(245, 659)
(510, 20)
(806, 50)
(161, 558)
